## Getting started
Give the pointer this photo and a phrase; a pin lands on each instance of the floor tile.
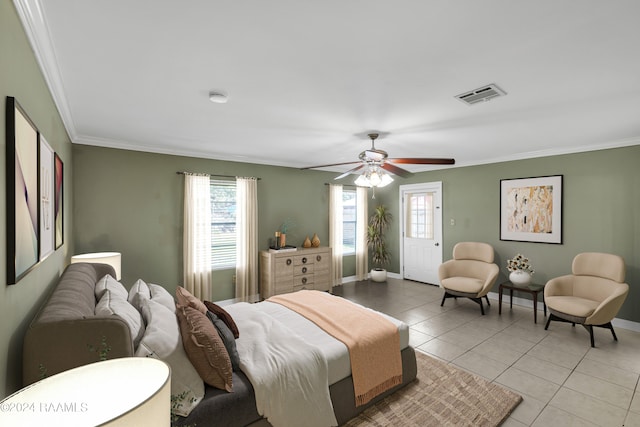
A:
(552, 416)
(523, 382)
(442, 349)
(607, 392)
(543, 369)
(589, 408)
(528, 410)
(608, 373)
(479, 365)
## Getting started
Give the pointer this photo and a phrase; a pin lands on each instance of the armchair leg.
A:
(548, 321)
(487, 298)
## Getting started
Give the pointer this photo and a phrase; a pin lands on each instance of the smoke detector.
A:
(482, 94)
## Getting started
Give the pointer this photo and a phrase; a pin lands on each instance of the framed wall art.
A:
(531, 209)
(58, 193)
(22, 193)
(47, 230)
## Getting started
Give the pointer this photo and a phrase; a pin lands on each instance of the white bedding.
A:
(289, 375)
(334, 351)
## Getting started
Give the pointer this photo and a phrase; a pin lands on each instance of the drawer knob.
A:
(319, 258)
(304, 260)
(289, 261)
(304, 280)
(304, 269)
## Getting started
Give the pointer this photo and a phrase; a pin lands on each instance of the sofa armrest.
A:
(53, 347)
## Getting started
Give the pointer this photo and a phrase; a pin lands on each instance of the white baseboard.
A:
(619, 323)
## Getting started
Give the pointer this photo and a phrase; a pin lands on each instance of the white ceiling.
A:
(308, 80)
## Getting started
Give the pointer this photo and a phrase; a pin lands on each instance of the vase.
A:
(283, 240)
(315, 241)
(306, 243)
(520, 278)
(378, 274)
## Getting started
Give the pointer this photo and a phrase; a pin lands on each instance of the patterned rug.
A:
(441, 395)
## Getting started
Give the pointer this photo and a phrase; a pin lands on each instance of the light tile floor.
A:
(563, 381)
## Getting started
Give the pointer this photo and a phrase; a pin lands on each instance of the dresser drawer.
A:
(300, 270)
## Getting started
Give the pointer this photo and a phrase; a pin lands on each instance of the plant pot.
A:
(378, 274)
(520, 278)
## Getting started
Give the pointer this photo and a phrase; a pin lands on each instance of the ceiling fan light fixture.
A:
(374, 177)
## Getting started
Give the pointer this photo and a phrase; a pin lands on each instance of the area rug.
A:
(441, 395)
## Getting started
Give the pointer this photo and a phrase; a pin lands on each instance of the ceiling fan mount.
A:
(375, 159)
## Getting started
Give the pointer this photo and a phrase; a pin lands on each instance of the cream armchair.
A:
(591, 296)
(470, 274)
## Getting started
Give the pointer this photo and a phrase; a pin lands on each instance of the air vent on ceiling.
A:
(482, 94)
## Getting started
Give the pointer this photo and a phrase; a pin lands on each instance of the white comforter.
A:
(289, 375)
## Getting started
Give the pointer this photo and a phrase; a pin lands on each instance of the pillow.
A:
(162, 341)
(139, 287)
(227, 339)
(205, 348)
(162, 296)
(185, 298)
(111, 304)
(226, 317)
(109, 283)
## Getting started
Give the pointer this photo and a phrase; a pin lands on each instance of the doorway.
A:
(421, 231)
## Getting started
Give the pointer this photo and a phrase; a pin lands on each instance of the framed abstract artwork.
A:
(531, 209)
(47, 230)
(22, 193)
(58, 193)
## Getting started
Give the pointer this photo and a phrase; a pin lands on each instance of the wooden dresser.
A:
(283, 272)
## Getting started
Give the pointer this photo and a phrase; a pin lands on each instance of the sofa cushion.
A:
(186, 298)
(205, 348)
(160, 295)
(109, 283)
(224, 315)
(112, 304)
(139, 287)
(228, 339)
(162, 341)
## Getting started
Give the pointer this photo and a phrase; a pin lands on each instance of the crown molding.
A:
(30, 13)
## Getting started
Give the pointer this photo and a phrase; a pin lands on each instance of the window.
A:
(223, 224)
(349, 222)
(420, 216)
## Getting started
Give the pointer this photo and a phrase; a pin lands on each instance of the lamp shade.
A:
(129, 391)
(111, 258)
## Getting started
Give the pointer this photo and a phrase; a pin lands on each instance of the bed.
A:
(339, 378)
(75, 326)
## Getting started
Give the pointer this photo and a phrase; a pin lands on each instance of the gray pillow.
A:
(227, 338)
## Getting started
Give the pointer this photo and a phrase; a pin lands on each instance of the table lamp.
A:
(128, 391)
(111, 258)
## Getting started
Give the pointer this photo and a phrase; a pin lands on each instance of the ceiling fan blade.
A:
(422, 161)
(396, 170)
(332, 164)
(349, 172)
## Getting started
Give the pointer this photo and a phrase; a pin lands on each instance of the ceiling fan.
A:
(373, 160)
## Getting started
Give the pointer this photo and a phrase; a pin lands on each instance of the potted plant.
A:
(378, 223)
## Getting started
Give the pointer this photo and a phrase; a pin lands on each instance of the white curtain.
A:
(197, 236)
(336, 231)
(246, 237)
(362, 220)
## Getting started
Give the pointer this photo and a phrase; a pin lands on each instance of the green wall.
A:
(21, 78)
(601, 212)
(132, 202)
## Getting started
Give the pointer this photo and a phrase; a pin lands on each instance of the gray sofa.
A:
(66, 334)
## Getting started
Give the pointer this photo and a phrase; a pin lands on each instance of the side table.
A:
(534, 289)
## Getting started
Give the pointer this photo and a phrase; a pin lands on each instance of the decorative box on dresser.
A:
(290, 271)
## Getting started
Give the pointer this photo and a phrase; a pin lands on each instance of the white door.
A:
(421, 231)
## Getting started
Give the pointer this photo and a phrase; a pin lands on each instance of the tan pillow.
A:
(226, 317)
(186, 299)
(205, 348)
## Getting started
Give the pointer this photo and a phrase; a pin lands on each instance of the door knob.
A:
(437, 244)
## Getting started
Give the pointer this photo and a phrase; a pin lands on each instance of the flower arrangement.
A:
(519, 263)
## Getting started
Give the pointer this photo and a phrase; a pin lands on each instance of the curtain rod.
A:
(208, 174)
(344, 185)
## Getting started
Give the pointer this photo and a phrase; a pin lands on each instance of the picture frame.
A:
(58, 192)
(531, 209)
(46, 197)
(22, 192)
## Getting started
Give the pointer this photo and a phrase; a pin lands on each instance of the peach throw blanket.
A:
(372, 340)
